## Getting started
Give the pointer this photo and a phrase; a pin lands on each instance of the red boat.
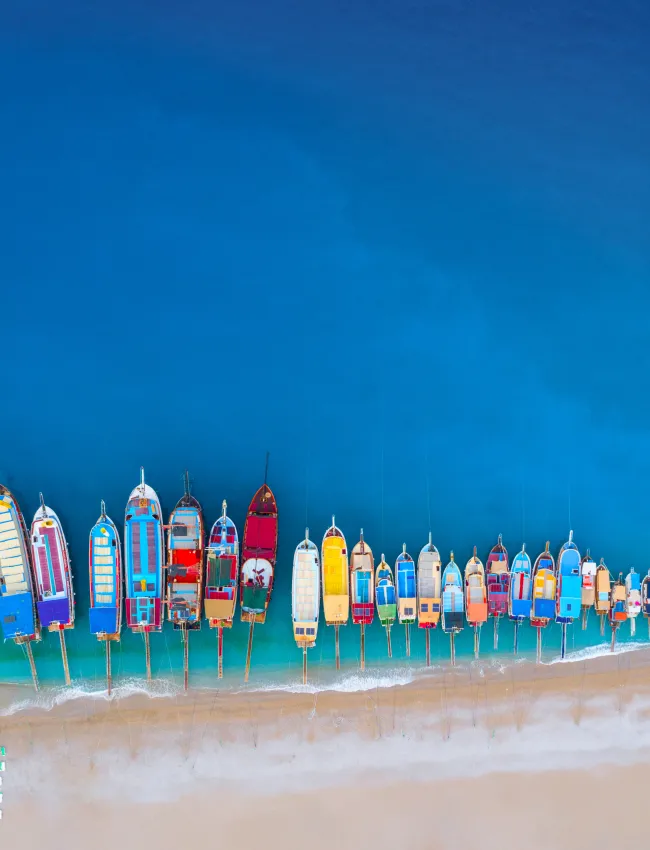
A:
(259, 554)
(498, 585)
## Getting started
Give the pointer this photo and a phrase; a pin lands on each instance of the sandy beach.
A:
(476, 753)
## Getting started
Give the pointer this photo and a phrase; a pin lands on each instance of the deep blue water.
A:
(402, 246)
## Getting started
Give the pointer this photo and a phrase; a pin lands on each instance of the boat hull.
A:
(185, 564)
(143, 560)
(17, 602)
(429, 587)
(305, 594)
(222, 574)
(259, 553)
(105, 567)
(335, 578)
(54, 595)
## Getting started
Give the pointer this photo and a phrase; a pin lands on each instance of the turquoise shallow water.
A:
(405, 250)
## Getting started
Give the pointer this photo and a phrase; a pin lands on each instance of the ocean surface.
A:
(402, 247)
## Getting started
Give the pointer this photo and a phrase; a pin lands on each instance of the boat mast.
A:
(109, 681)
(304, 664)
(27, 644)
(147, 653)
(42, 500)
(249, 649)
(186, 656)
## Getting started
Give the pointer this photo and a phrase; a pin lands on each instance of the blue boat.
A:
(143, 563)
(453, 603)
(105, 564)
(17, 606)
(569, 585)
(520, 592)
(406, 593)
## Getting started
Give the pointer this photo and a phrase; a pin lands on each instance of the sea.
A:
(402, 247)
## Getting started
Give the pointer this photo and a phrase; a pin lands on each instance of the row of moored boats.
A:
(170, 571)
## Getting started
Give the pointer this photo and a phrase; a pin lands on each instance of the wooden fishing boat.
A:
(520, 594)
(453, 603)
(476, 609)
(105, 565)
(222, 578)
(385, 599)
(569, 587)
(429, 581)
(144, 557)
(362, 589)
(603, 603)
(336, 584)
(645, 599)
(632, 598)
(544, 592)
(588, 578)
(305, 597)
(498, 585)
(260, 552)
(17, 601)
(406, 591)
(184, 570)
(618, 608)
(54, 593)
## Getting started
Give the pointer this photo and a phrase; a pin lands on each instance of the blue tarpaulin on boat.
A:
(544, 608)
(53, 611)
(521, 607)
(16, 615)
(103, 620)
(406, 583)
(386, 594)
(570, 596)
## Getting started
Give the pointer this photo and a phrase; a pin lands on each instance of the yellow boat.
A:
(336, 581)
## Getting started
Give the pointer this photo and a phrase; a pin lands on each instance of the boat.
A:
(498, 585)
(476, 607)
(385, 599)
(144, 555)
(544, 591)
(429, 581)
(568, 600)
(453, 603)
(588, 570)
(336, 583)
(305, 597)
(618, 608)
(105, 566)
(362, 590)
(633, 598)
(645, 599)
(17, 604)
(602, 603)
(520, 594)
(406, 593)
(54, 593)
(184, 570)
(260, 552)
(222, 578)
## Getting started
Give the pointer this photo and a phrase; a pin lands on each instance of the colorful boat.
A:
(498, 585)
(54, 594)
(520, 595)
(143, 563)
(633, 598)
(406, 591)
(429, 579)
(645, 599)
(260, 552)
(476, 607)
(305, 597)
(362, 589)
(105, 565)
(385, 599)
(544, 592)
(588, 570)
(222, 578)
(569, 587)
(603, 602)
(184, 571)
(453, 603)
(618, 608)
(336, 584)
(17, 605)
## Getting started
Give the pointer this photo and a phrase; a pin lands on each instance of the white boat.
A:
(305, 597)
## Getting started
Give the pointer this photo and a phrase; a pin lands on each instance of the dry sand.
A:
(530, 757)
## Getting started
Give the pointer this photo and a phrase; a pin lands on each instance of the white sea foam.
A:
(598, 651)
(352, 683)
(49, 698)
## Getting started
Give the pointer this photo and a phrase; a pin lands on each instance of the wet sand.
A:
(454, 756)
